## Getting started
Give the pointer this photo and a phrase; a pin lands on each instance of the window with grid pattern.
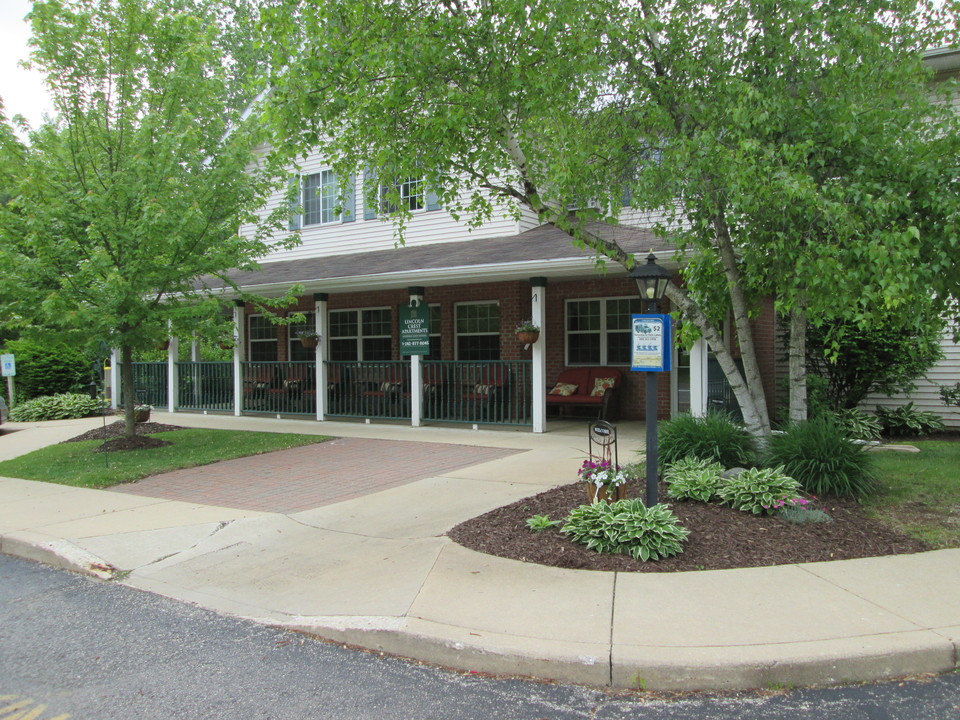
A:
(478, 331)
(262, 335)
(297, 350)
(598, 330)
(320, 198)
(360, 334)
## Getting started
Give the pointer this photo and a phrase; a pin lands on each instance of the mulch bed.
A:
(719, 536)
(115, 441)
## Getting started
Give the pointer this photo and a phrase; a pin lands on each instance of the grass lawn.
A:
(919, 493)
(75, 463)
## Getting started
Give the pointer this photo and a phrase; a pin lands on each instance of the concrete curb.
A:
(55, 552)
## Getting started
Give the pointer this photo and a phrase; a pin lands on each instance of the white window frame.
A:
(359, 337)
(603, 330)
(310, 323)
(403, 188)
(456, 324)
(326, 203)
(251, 339)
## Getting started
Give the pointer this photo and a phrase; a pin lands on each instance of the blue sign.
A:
(651, 348)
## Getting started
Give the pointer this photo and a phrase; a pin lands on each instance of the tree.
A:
(136, 193)
(788, 143)
(885, 358)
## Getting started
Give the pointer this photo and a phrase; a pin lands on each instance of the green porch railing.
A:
(205, 386)
(369, 389)
(149, 382)
(279, 387)
(498, 392)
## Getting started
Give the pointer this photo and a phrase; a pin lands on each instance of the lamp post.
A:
(651, 282)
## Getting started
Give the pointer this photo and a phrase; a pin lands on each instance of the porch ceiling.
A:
(543, 251)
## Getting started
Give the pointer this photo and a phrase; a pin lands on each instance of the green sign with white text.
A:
(414, 330)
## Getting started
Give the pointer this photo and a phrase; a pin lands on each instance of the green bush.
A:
(627, 527)
(56, 407)
(758, 490)
(907, 420)
(822, 459)
(48, 368)
(856, 424)
(693, 479)
(714, 437)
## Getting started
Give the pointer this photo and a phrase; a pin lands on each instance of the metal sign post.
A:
(9, 366)
(651, 353)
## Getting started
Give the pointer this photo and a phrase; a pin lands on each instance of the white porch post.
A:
(194, 350)
(238, 317)
(538, 314)
(115, 378)
(698, 378)
(416, 390)
(173, 354)
(320, 323)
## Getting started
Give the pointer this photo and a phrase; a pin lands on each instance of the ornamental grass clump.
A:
(693, 479)
(714, 437)
(822, 459)
(758, 490)
(627, 527)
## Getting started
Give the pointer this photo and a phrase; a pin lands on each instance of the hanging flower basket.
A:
(309, 340)
(141, 413)
(529, 337)
(165, 345)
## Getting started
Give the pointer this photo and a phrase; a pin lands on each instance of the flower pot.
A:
(528, 337)
(165, 345)
(141, 415)
(595, 494)
(310, 343)
(226, 346)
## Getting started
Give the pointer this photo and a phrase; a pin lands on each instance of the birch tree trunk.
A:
(798, 362)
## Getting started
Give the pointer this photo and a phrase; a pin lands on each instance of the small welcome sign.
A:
(651, 343)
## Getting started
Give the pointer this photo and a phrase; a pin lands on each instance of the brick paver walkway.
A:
(306, 477)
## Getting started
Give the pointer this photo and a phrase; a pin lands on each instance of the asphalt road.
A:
(80, 649)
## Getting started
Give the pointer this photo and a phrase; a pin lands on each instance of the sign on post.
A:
(651, 343)
(9, 365)
(414, 330)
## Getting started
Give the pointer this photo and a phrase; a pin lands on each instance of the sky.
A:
(22, 91)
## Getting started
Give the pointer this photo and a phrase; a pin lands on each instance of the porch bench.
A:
(590, 388)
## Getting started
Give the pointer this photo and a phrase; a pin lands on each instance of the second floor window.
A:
(408, 193)
(320, 198)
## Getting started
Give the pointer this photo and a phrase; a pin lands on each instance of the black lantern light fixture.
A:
(651, 282)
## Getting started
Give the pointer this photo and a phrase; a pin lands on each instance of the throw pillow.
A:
(601, 384)
(564, 389)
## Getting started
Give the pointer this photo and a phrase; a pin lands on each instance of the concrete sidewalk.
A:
(377, 572)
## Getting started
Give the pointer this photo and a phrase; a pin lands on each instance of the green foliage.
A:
(539, 523)
(856, 424)
(907, 420)
(757, 490)
(803, 515)
(627, 527)
(48, 368)
(714, 437)
(950, 394)
(693, 479)
(56, 407)
(885, 356)
(822, 458)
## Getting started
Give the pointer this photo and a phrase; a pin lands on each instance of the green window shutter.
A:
(369, 210)
(293, 185)
(349, 213)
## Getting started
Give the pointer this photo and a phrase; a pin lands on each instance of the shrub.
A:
(907, 420)
(48, 368)
(56, 407)
(627, 527)
(758, 490)
(856, 424)
(714, 437)
(822, 459)
(693, 479)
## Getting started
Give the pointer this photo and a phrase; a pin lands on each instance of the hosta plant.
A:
(907, 420)
(857, 425)
(758, 490)
(627, 527)
(538, 523)
(56, 407)
(693, 479)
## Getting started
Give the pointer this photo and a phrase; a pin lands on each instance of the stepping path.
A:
(311, 476)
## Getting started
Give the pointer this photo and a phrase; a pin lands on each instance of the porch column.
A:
(320, 359)
(238, 308)
(173, 379)
(416, 364)
(538, 314)
(194, 350)
(698, 378)
(115, 378)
